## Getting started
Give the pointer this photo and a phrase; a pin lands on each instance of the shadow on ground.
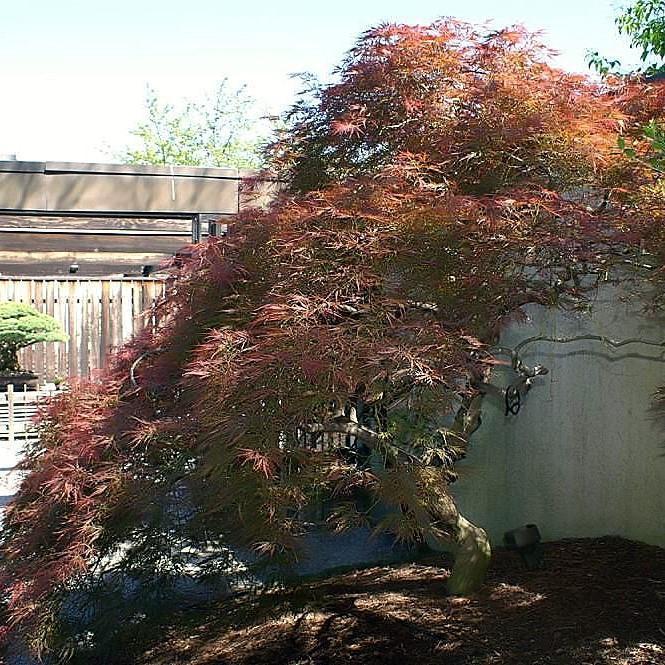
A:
(599, 601)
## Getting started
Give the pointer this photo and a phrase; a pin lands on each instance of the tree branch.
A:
(344, 427)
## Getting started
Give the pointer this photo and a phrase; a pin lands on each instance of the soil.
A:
(596, 601)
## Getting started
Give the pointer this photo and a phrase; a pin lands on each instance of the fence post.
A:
(196, 229)
(10, 413)
(25, 406)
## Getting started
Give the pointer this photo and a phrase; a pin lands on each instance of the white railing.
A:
(18, 408)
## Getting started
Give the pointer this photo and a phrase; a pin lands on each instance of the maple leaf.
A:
(260, 462)
(346, 127)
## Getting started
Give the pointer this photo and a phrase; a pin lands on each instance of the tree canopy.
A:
(644, 23)
(334, 347)
(21, 326)
(219, 130)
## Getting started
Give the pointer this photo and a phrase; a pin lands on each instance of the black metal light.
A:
(526, 542)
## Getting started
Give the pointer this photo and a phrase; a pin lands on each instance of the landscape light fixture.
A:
(526, 542)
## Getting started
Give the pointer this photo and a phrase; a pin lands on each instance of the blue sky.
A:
(74, 72)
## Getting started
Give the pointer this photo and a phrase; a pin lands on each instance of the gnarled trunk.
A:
(472, 558)
(471, 547)
(472, 552)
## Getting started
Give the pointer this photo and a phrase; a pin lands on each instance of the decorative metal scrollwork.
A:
(513, 400)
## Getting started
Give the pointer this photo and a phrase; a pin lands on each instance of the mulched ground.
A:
(597, 601)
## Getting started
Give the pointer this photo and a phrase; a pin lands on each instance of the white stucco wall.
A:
(584, 457)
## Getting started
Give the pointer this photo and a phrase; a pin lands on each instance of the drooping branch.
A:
(344, 427)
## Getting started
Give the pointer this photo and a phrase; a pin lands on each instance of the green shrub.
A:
(21, 326)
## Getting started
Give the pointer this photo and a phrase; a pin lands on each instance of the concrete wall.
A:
(584, 457)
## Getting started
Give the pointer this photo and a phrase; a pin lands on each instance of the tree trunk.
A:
(471, 546)
(8, 358)
(472, 552)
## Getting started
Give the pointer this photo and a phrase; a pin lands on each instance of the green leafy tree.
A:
(652, 151)
(219, 130)
(21, 326)
(643, 22)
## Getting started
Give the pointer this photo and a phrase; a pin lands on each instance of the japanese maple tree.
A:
(334, 346)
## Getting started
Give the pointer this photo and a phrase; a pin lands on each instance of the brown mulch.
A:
(596, 601)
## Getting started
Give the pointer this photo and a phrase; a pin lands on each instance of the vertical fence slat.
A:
(38, 301)
(72, 330)
(105, 337)
(50, 350)
(97, 314)
(146, 302)
(60, 313)
(26, 417)
(127, 311)
(116, 313)
(137, 308)
(83, 368)
(10, 413)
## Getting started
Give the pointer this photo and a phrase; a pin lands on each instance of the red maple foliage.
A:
(332, 346)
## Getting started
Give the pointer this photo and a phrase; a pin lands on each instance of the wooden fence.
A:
(97, 314)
